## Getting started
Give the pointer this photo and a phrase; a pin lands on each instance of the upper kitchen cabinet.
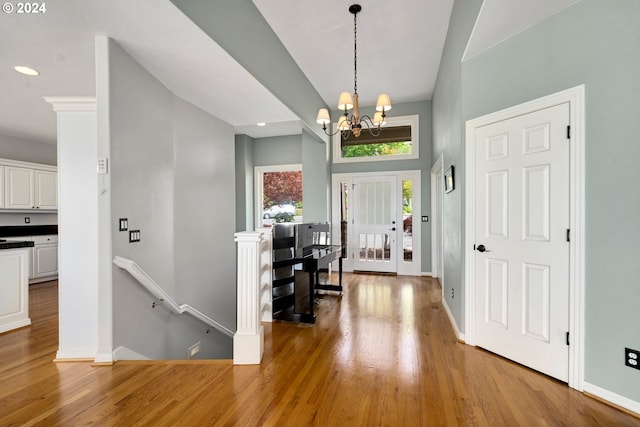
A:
(46, 189)
(29, 186)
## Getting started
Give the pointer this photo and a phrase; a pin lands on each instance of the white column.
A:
(248, 341)
(77, 227)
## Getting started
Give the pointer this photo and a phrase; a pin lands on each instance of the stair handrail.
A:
(149, 284)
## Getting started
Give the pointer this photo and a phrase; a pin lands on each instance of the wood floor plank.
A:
(381, 354)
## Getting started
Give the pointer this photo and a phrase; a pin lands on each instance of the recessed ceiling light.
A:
(26, 70)
(261, 124)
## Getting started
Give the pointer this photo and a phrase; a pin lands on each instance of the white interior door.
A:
(374, 223)
(522, 249)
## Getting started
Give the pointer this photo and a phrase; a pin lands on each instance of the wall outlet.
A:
(193, 350)
(27, 220)
(632, 358)
(425, 218)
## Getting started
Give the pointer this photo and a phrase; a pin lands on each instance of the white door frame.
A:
(575, 97)
(401, 266)
(437, 251)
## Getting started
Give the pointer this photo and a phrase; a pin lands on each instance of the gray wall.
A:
(172, 177)
(244, 183)
(304, 149)
(277, 150)
(448, 140)
(316, 179)
(595, 43)
(423, 164)
(25, 150)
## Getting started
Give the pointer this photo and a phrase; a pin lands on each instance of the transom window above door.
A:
(398, 140)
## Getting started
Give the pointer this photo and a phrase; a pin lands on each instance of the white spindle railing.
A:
(254, 281)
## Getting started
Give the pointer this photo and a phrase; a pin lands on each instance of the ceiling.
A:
(399, 49)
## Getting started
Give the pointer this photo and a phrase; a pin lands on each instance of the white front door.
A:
(521, 239)
(374, 223)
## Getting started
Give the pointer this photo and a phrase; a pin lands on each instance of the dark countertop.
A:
(14, 245)
(27, 230)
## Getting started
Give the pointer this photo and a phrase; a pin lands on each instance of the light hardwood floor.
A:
(383, 354)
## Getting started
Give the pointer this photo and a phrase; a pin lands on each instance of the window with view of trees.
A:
(280, 192)
(397, 140)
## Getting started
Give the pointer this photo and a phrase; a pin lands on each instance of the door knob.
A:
(481, 248)
(393, 229)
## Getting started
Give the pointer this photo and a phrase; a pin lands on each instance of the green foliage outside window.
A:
(381, 149)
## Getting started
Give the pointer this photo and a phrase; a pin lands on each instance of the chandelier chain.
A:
(355, 53)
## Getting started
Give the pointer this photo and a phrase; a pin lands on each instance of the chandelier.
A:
(353, 124)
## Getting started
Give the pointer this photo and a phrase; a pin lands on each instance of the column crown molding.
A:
(71, 103)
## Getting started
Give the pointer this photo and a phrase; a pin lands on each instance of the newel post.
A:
(248, 341)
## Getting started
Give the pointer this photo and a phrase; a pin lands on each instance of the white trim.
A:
(611, 397)
(258, 176)
(452, 320)
(575, 97)
(15, 325)
(75, 354)
(426, 274)
(412, 120)
(72, 103)
(39, 166)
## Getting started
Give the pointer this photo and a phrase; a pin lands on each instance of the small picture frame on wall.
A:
(449, 182)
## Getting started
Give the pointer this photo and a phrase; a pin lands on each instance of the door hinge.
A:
(567, 338)
(568, 235)
(568, 132)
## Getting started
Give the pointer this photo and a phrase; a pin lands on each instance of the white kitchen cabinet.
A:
(28, 186)
(46, 189)
(14, 292)
(45, 256)
(19, 188)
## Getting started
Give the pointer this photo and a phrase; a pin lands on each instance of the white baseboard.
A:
(452, 320)
(427, 273)
(611, 397)
(15, 325)
(75, 354)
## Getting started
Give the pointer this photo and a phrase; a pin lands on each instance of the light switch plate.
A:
(124, 224)
(103, 165)
(134, 236)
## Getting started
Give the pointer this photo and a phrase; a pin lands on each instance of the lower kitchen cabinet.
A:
(44, 256)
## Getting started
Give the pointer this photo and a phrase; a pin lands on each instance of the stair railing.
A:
(149, 284)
